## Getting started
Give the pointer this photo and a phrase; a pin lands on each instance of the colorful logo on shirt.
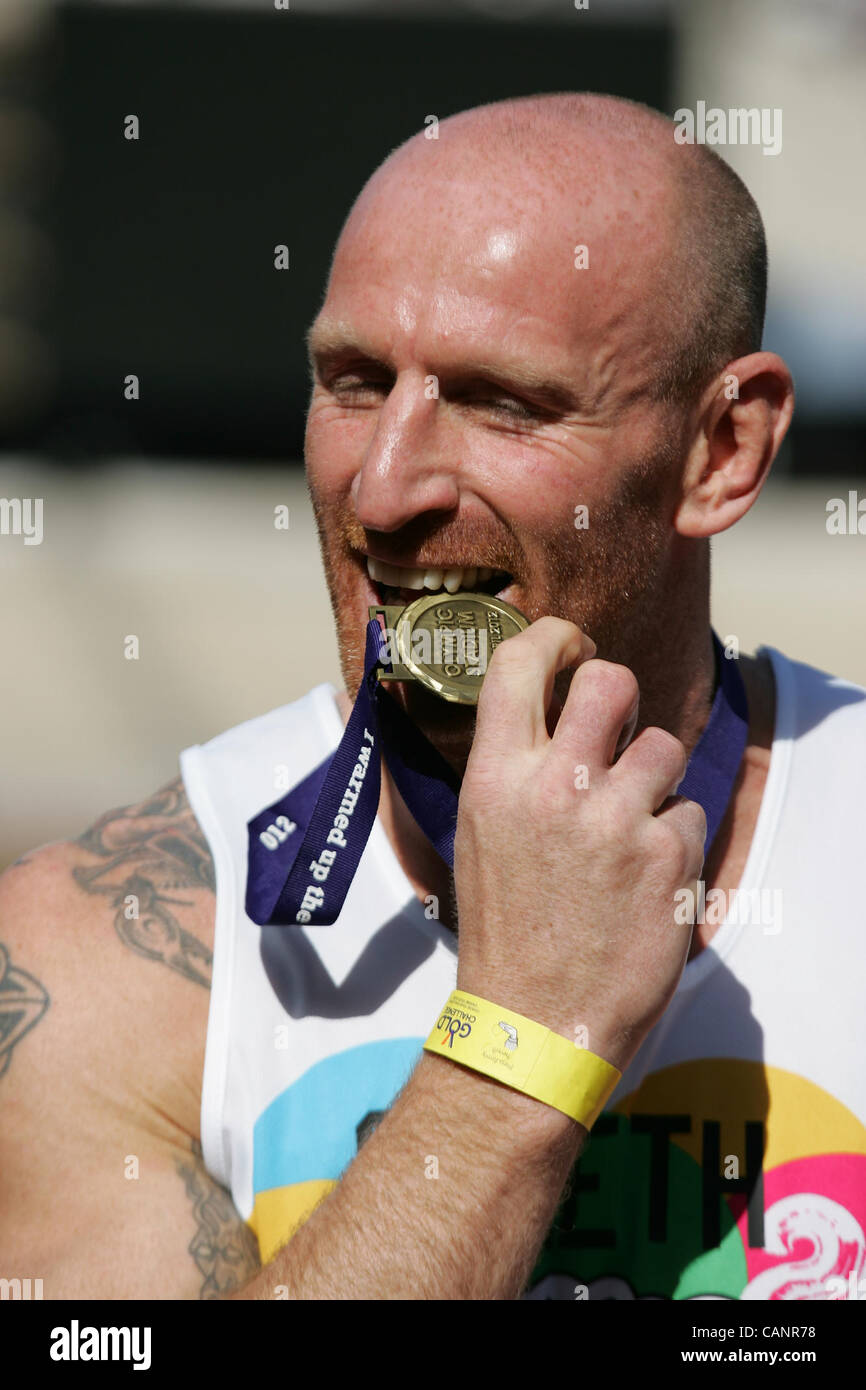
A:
(717, 1178)
(311, 1132)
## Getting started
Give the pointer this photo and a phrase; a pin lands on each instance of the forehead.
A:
(440, 259)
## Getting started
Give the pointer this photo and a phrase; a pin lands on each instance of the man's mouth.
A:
(403, 584)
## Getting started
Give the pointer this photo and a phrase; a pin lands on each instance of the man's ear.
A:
(743, 421)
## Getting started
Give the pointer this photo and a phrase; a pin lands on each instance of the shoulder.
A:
(313, 716)
(238, 773)
(150, 865)
(105, 960)
(813, 703)
(131, 867)
(110, 936)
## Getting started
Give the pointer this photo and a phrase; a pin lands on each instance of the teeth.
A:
(376, 570)
(412, 579)
(457, 577)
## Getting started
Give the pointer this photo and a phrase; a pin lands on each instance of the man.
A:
(537, 369)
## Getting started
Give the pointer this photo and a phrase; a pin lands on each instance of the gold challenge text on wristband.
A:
(524, 1055)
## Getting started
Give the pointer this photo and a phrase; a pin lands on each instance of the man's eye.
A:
(508, 406)
(357, 386)
(349, 389)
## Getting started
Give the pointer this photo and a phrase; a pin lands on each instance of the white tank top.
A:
(730, 1161)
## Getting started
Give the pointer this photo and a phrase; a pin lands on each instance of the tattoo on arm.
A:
(148, 852)
(23, 1001)
(223, 1247)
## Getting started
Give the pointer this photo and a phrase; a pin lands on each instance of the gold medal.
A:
(445, 641)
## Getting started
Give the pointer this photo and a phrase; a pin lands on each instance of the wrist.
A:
(611, 1042)
(525, 1128)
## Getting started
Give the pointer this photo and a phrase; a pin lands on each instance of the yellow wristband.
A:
(524, 1055)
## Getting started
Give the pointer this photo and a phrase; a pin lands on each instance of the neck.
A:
(666, 641)
(676, 677)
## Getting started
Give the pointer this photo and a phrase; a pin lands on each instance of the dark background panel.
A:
(254, 132)
(155, 256)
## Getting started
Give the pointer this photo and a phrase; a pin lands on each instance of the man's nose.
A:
(408, 467)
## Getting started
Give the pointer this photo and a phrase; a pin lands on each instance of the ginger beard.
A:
(610, 579)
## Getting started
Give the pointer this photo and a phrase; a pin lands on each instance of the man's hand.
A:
(567, 861)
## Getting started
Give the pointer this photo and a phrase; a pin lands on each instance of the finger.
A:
(690, 821)
(517, 689)
(626, 733)
(599, 714)
(652, 767)
(554, 710)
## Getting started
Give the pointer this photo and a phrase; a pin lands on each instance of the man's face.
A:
(474, 389)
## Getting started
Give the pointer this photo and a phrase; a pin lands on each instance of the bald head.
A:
(673, 222)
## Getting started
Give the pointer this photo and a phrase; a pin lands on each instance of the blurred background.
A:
(258, 123)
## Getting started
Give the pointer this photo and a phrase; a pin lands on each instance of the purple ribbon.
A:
(714, 764)
(305, 849)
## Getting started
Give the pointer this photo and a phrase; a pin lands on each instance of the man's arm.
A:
(104, 991)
